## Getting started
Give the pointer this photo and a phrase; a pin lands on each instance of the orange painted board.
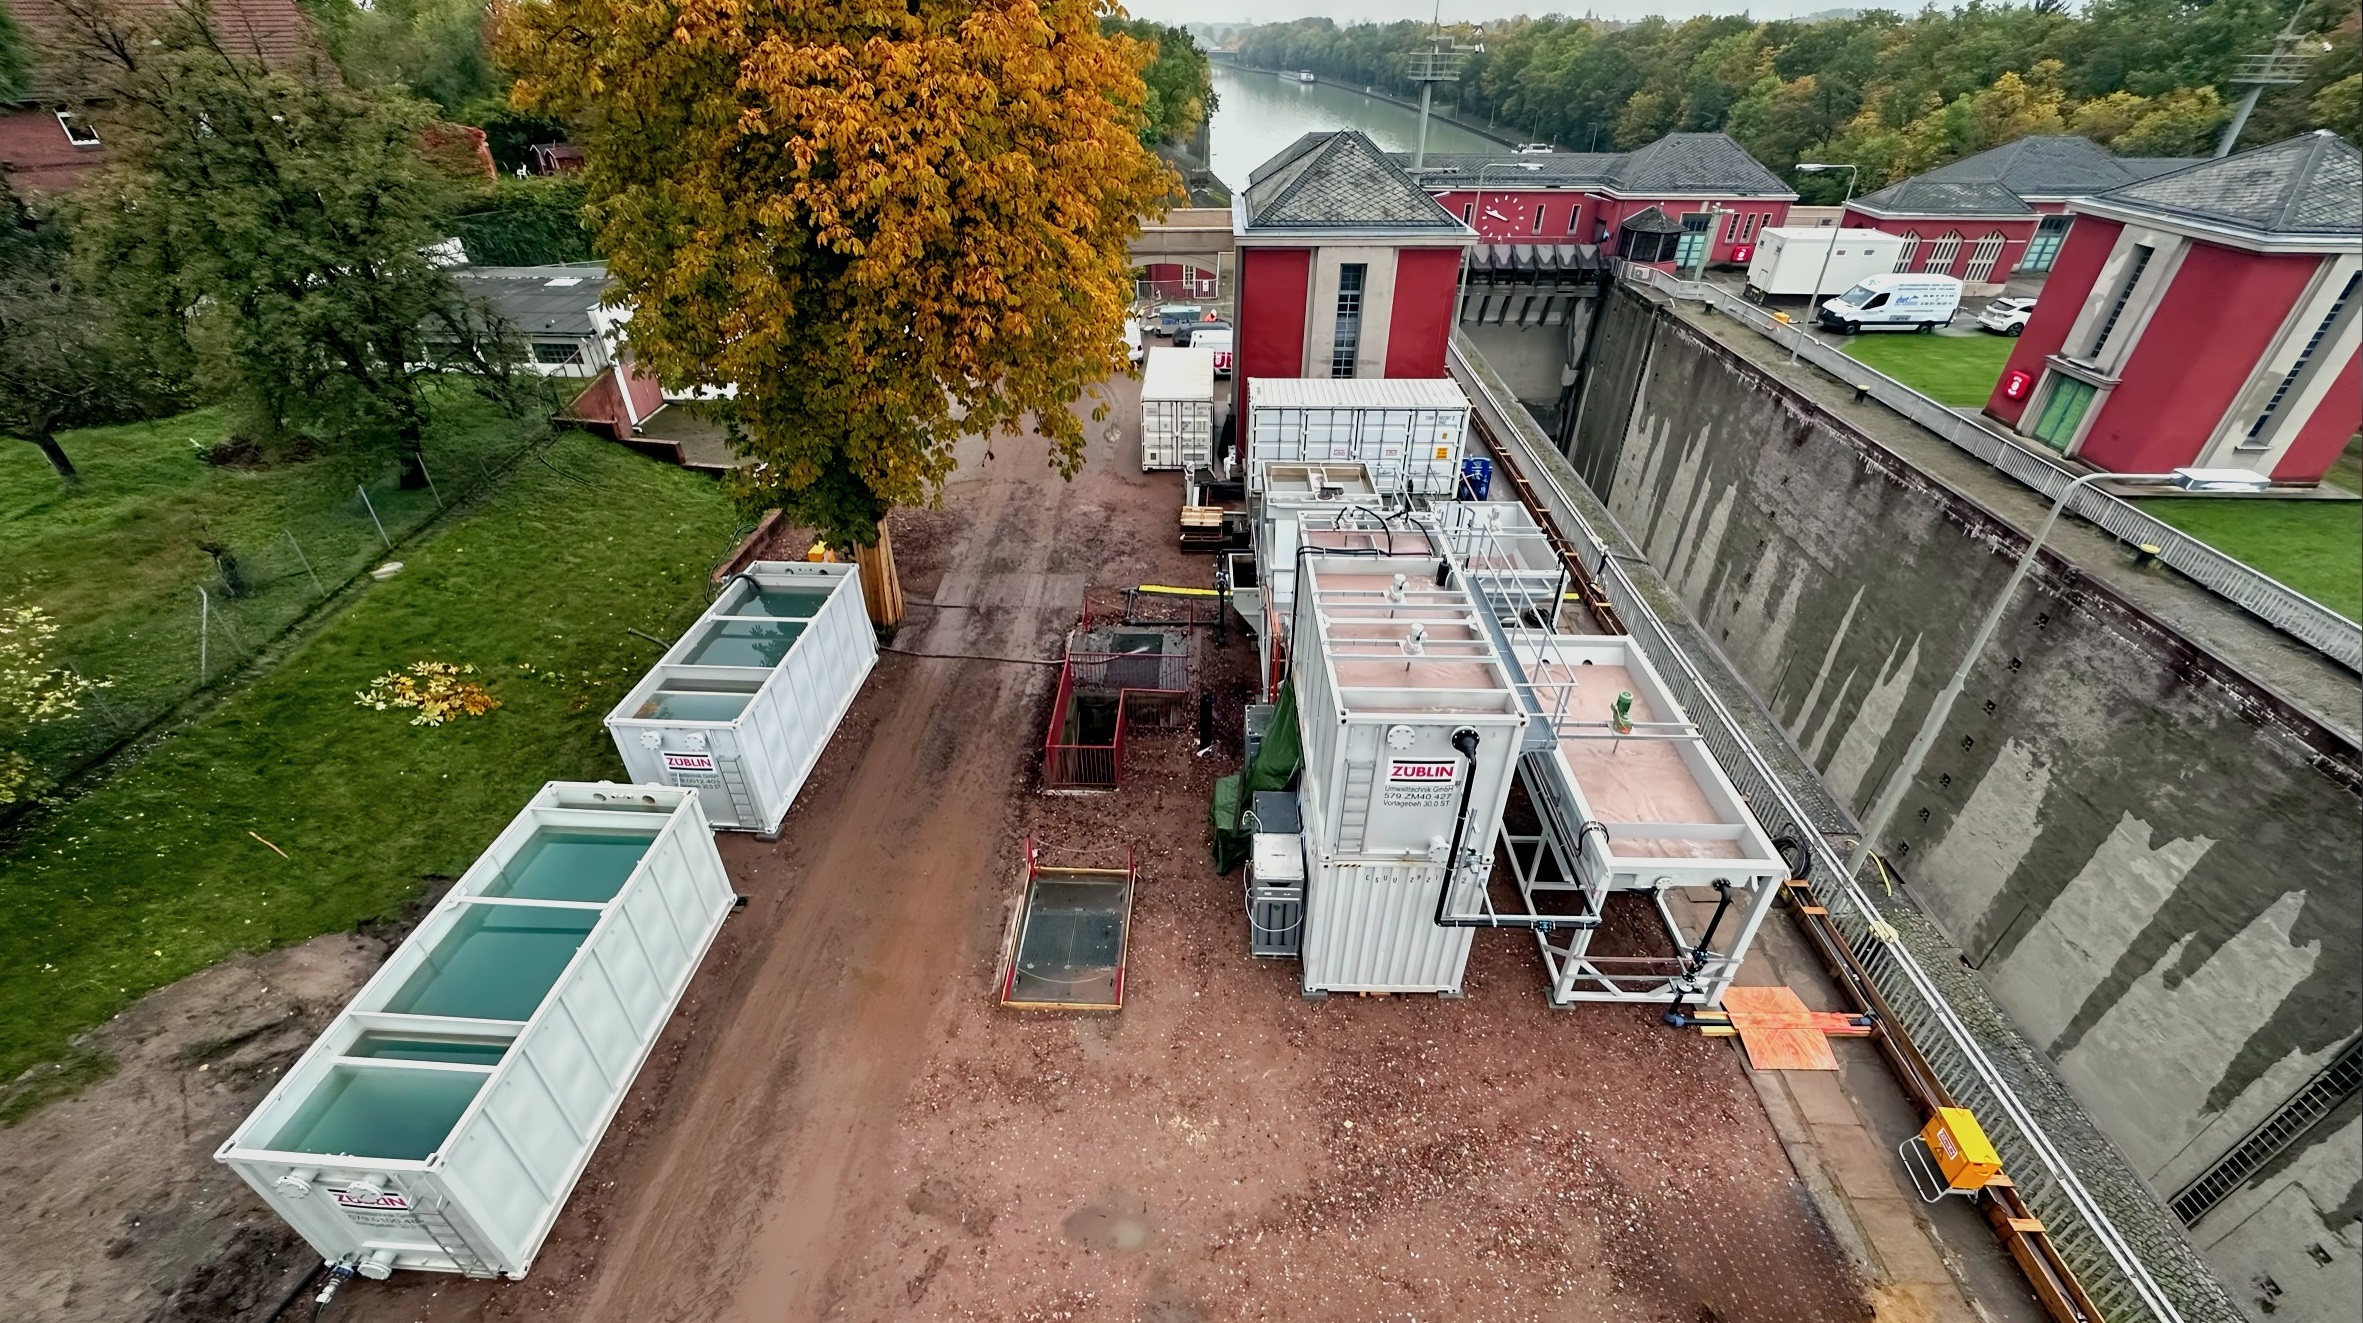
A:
(1787, 1049)
(1768, 1008)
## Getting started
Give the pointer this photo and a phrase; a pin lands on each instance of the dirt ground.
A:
(841, 1123)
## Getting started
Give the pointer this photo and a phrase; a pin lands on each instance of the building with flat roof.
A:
(2203, 318)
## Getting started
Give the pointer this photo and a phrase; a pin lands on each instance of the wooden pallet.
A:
(1202, 528)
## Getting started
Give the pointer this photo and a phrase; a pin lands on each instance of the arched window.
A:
(1982, 258)
(1903, 255)
(1942, 252)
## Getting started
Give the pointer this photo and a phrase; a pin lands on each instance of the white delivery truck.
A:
(1893, 303)
(1177, 409)
(1788, 260)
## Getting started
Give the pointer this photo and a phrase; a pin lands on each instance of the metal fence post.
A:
(432, 489)
(304, 561)
(381, 526)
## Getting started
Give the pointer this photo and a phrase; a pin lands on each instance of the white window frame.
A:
(1905, 254)
(1942, 254)
(1983, 257)
(68, 123)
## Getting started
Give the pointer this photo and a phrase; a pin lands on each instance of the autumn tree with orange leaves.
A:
(890, 222)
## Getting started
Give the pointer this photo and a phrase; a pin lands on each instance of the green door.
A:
(2063, 409)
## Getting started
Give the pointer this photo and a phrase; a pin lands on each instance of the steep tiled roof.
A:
(2046, 165)
(1926, 195)
(1677, 164)
(2147, 167)
(275, 31)
(540, 300)
(1340, 180)
(2310, 185)
(1650, 220)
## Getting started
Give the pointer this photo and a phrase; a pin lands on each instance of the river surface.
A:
(1259, 113)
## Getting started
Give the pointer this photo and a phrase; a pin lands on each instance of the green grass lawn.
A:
(118, 560)
(2315, 547)
(1956, 370)
(158, 873)
(2347, 470)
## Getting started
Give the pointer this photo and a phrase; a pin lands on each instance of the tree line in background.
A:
(1896, 95)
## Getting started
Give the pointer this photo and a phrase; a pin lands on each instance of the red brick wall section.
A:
(2326, 433)
(2192, 359)
(1274, 284)
(2015, 234)
(648, 394)
(2064, 293)
(601, 409)
(35, 156)
(1572, 216)
(1420, 325)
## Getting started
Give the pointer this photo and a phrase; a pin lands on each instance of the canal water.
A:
(1259, 113)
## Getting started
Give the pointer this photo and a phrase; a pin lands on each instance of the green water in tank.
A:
(403, 1115)
(782, 603)
(496, 963)
(571, 865)
(406, 1047)
(744, 643)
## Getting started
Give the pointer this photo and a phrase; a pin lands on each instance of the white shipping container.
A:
(1387, 667)
(1410, 431)
(742, 704)
(1177, 409)
(444, 1117)
(1788, 260)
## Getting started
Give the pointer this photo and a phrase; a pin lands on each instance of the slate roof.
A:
(1340, 180)
(1677, 164)
(274, 31)
(1926, 195)
(2310, 186)
(550, 301)
(2050, 166)
(1650, 220)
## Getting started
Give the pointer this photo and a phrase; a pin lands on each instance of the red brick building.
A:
(1347, 268)
(49, 141)
(1986, 216)
(2204, 318)
(1683, 198)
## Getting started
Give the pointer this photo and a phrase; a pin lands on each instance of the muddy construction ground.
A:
(842, 1123)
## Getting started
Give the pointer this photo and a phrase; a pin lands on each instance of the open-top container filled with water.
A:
(445, 1115)
(742, 704)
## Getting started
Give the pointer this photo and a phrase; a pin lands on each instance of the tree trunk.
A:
(46, 442)
(882, 588)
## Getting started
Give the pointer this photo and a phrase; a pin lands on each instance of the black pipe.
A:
(1706, 939)
(1465, 740)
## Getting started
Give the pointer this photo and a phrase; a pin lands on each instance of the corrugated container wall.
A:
(1409, 431)
(741, 706)
(1177, 409)
(444, 1117)
(1382, 786)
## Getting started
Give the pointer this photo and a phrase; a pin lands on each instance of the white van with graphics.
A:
(1894, 302)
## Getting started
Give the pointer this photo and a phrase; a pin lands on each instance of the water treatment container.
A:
(741, 706)
(1177, 409)
(444, 1117)
(1408, 430)
(1411, 727)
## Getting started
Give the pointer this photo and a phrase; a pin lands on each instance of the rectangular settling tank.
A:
(445, 1115)
(1408, 430)
(740, 707)
(1387, 668)
(1177, 409)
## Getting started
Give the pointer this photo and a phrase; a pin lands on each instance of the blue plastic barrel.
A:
(1476, 478)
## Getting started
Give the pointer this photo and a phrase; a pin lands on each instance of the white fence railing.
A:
(2268, 599)
(2121, 1275)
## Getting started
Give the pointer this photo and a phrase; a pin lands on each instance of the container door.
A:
(1156, 435)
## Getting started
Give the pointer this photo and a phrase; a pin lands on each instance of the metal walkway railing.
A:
(2268, 599)
(2121, 1277)
(2337, 1082)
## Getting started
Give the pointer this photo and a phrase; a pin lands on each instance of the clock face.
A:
(1401, 737)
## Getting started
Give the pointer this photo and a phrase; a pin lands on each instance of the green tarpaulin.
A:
(1275, 765)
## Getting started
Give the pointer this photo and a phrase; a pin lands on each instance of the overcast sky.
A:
(1388, 11)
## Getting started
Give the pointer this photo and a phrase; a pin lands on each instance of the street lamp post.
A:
(1813, 304)
(1477, 213)
(1900, 782)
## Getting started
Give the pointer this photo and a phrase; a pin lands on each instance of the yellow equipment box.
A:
(1959, 1146)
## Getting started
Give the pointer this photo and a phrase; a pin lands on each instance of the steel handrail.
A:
(2261, 595)
(2106, 1264)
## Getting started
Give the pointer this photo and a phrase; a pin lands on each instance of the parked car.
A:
(1534, 149)
(1187, 334)
(1895, 303)
(1172, 317)
(1132, 342)
(2007, 316)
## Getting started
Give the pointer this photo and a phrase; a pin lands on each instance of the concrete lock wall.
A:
(2153, 863)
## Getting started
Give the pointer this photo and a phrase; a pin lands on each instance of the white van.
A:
(1217, 337)
(1896, 302)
